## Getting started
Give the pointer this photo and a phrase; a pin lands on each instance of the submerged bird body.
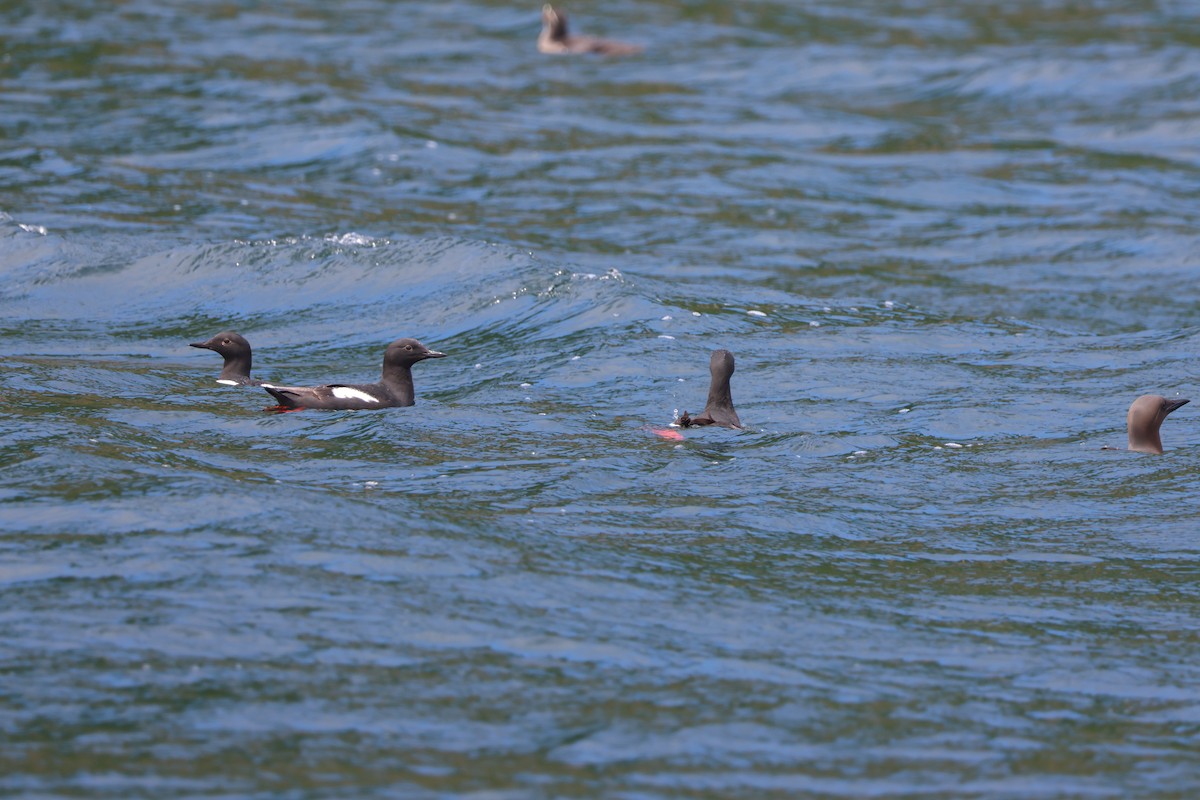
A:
(1146, 415)
(236, 352)
(395, 386)
(555, 39)
(719, 408)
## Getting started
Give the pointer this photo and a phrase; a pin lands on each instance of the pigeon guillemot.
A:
(236, 352)
(395, 387)
(1146, 415)
(719, 409)
(555, 39)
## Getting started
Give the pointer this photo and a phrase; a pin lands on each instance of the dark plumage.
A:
(236, 352)
(555, 39)
(395, 387)
(719, 409)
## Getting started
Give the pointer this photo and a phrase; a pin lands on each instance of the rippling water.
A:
(948, 242)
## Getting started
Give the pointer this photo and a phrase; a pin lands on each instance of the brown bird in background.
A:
(555, 39)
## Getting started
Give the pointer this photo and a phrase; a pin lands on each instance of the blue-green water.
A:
(917, 225)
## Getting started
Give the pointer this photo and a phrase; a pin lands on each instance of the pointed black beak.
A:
(1174, 404)
(436, 354)
(208, 346)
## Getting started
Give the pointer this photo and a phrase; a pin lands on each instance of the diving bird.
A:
(236, 352)
(554, 38)
(719, 408)
(395, 387)
(1146, 415)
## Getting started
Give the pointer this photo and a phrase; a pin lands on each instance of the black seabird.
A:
(1146, 415)
(719, 409)
(554, 38)
(236, 352)
(395, 387)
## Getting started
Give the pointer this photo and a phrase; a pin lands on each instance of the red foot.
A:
(668, 433)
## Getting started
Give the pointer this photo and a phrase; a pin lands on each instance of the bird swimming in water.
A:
(236, 352)
(395, 387)
(1146, 415)
(719, 408)
(555, 39)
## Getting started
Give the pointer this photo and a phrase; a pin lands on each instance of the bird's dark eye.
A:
(408, 347)
(225, 341)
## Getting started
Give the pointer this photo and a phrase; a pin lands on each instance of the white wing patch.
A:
(227, 382)
(346, 393)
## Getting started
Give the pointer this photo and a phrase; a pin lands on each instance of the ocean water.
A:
(948, 243)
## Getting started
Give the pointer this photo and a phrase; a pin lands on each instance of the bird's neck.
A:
(399, 382)
(719, 395)
(1146, 442)
(236, 368)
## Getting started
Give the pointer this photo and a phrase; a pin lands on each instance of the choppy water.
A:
(955, 224)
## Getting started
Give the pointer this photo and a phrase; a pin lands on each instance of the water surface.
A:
(947, 242)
